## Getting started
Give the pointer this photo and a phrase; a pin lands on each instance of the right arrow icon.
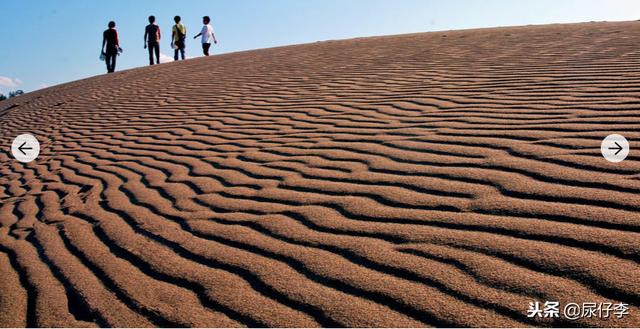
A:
(614, 148)
(618, 147)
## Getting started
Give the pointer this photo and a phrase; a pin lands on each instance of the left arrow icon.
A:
(22, 148)
(25, 148)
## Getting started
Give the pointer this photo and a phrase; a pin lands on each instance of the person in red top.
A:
(110, 40)
(152, 39)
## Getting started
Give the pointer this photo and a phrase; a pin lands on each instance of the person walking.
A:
(178, 33)
(207, 35)
(110, 52)
(152, 39)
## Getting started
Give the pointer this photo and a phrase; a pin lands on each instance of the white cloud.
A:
(164, 58)
(43, 85)
(9, 83)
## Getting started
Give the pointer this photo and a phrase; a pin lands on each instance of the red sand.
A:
(434, 179)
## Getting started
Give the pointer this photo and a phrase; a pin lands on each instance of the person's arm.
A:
(145, 37)
(159, 34)
(203, 31)
(104, 41)
(118, 41)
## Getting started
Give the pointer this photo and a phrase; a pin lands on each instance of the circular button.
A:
(614, 148)
(25, 148)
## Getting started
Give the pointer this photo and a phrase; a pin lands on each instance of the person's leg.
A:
(150, 47)
(205, 48)
(107, 60)
(156, 48)
(182, 46)
(113, 62)
(110, 59)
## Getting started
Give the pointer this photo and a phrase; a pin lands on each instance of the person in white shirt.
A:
(207, 35)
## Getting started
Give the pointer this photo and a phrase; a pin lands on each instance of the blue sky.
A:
(54, 41)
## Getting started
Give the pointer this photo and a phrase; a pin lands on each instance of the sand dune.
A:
(433, 179)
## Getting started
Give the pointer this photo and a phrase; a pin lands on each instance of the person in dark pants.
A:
(207, 35)
(179, 32)
(110, 40)
(152, 39)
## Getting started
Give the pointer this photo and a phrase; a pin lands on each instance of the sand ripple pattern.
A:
(434, 179)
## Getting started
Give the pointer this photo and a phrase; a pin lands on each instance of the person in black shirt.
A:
(110, 40)
(152, 39)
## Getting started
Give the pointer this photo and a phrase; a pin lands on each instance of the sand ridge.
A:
(431, 179)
